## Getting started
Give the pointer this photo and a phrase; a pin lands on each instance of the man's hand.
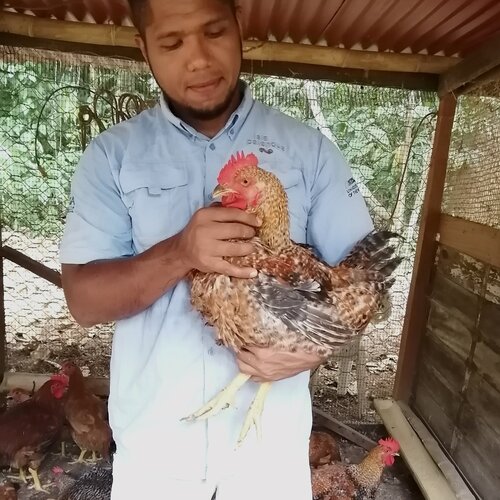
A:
(268, 364)
(203, 242)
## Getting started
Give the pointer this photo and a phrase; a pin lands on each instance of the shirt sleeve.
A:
(338, 217)
(98, 224)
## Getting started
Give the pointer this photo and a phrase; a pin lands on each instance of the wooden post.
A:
(3, 332)
(417, 307)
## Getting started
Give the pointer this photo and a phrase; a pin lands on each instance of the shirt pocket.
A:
(298, 202)
(157, 199)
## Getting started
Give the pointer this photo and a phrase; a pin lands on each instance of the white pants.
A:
(257, 482)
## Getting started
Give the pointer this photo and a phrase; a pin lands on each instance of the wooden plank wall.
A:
(457, 389)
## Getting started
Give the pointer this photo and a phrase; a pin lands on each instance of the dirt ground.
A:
(397, 482)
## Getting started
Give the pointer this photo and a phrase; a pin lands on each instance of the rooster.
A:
(296, 301)
(338, 481)
(86, 415)
(29, 429)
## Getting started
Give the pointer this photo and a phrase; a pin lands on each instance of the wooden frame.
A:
(417, 307)
(376, 78)
(478, 63)
(110, 35)
(32, 265)
(477, 240)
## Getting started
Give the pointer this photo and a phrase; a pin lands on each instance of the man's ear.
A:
(142, 46)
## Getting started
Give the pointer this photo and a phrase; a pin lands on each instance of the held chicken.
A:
(338, 481)
(86, 415)
(296, 301)
(28, 430)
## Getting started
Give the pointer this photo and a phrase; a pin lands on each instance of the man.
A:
(137, 227)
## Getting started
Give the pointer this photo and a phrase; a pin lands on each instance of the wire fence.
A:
(51, 104)
(472, 189)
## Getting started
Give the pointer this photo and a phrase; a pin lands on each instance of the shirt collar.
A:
(232, 126)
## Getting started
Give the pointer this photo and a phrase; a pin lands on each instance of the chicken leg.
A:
(80, 459)
(36, 480)
(255, 412)
(221, 401)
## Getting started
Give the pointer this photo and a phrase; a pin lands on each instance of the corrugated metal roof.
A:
(447, 27)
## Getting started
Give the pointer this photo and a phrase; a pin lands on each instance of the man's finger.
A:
(232, 231)
(246, 356)
(234, 249)
(223, 214)
(237, 272)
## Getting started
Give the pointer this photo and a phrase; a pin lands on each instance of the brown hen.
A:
(8, 491)
(323, 449)
(28, 429)
(86, 415)
(338, 481)
(297, 301)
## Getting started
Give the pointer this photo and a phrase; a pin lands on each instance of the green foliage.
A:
(42, 134)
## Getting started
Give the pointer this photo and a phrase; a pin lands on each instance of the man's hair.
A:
(139, 12)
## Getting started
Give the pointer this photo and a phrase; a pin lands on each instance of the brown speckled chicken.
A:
(86, 415)
(338, 481)
(8, 491)
(297, 301)
(323, 449)
(18, 395)
(28, 430)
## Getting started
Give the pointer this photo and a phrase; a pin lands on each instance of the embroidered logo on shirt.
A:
(352, 187)
(265, 142)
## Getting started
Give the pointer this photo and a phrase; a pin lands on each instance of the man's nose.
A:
(199, 57)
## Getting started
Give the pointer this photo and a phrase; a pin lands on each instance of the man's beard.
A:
(202, 114)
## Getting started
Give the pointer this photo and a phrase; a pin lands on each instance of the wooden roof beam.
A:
(111, 35)
(474, 67)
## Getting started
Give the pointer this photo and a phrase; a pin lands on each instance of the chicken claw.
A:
(36, 480)
(254, 413)
(221, 401)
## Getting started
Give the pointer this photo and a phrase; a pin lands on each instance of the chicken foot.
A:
(36, 480)
(221, 401)
(255, 412)
(20, 477)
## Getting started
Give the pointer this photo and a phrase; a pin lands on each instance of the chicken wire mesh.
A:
(52, 104)
(472, 189)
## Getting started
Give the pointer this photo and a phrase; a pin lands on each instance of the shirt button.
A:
(231, 131)
(212, 146)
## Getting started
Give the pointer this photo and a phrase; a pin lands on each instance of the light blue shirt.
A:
(139, 183)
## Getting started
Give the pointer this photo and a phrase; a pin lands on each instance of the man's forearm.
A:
(105, 291)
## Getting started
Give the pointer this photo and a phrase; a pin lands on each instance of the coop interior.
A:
(410, 93)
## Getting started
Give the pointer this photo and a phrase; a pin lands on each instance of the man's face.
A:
(194, 51)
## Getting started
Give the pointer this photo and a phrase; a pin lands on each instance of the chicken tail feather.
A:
(375, 252)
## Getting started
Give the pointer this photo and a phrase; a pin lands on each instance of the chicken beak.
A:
(221, 191)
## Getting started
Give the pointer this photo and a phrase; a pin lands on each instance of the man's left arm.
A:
(338, 218)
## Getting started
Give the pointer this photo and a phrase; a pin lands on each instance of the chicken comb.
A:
(61, 378)
(235, 162)
(389, 443)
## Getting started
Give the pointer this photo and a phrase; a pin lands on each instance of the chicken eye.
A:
(245, 182)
